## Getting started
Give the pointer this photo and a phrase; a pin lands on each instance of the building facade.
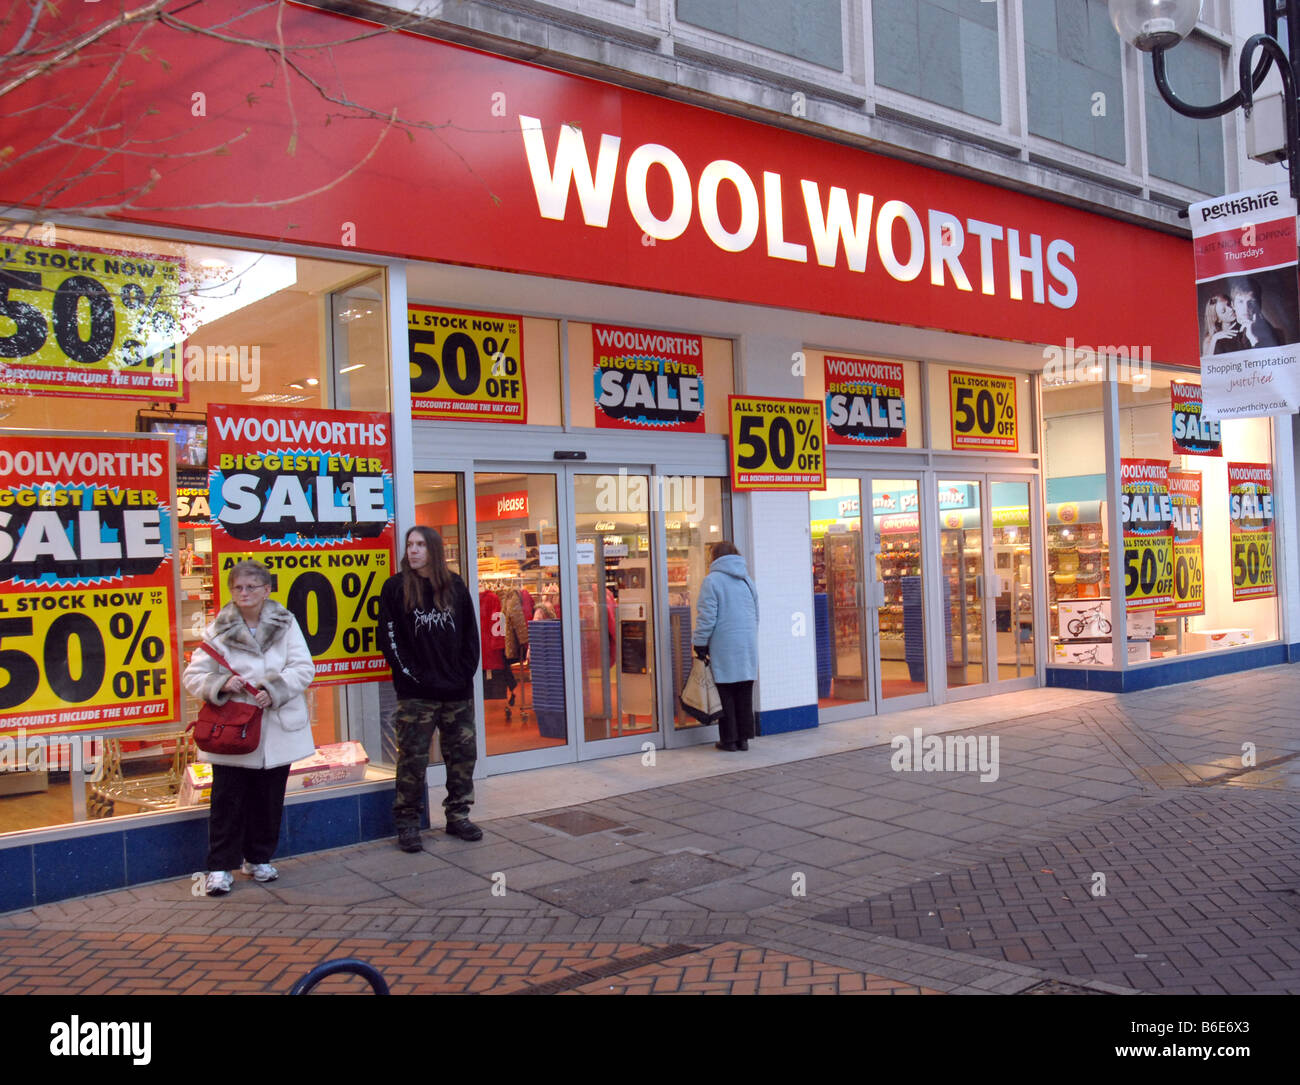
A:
(895, 295)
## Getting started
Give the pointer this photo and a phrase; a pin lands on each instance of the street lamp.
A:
(1156, 25)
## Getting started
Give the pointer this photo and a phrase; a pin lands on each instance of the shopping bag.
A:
(700, 696)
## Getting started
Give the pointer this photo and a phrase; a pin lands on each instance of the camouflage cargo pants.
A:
(414, 722)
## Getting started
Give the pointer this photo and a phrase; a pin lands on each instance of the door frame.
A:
(577, 747)
(591, 749)
(869, 595)
(990, 683)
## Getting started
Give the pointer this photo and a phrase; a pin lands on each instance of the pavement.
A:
(1119, 844)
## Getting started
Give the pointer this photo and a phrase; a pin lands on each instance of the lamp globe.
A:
(1154, 24)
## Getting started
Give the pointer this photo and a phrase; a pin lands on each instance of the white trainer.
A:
(218, 883)
(260, 872)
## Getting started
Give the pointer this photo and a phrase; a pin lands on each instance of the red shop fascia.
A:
(500, 164)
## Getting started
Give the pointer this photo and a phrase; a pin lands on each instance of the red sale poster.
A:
(87, 583)
(648, 380)
(309, 493)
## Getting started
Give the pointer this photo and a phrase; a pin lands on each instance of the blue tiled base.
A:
(51, 870)
(1186, 669)
(777, 721)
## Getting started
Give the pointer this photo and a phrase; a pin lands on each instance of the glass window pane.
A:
(899, 562)
(615, 601)
(194, 325)
(838, 593)
(693, 519)
(962, 551)
(975, 415)
(940, 51)
(1180, 149)
(861, 391)
(1013, 561)
(1072, 76)
(519, 610)
(1228, 616)
(583, 380)
(807, 29)
(1078, 565)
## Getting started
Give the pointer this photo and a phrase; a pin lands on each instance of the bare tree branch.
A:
(78, 44)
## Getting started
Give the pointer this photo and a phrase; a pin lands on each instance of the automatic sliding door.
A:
(840, 604)
(961, 537)
(519, 590)
(1013, 559)
(899, 588)
(615, 609)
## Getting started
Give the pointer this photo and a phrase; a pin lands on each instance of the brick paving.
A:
(120, 963)
(792, 869)
(1195, 894)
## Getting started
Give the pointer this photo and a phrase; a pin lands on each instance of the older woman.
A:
(726, 636)
(273, 667)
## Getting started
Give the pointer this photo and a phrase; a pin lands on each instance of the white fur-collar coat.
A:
(277, 659)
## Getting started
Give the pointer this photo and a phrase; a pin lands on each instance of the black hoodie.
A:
(433, 653)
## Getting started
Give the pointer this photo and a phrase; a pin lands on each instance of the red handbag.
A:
(231, 728)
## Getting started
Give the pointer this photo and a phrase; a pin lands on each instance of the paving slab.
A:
(607, 891)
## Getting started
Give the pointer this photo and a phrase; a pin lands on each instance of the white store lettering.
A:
(903, 238)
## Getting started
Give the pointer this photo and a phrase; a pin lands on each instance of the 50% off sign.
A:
(466, 365)
(88, 321)
(983, 412)
(777, 444)
(96, 650)
(335, 597)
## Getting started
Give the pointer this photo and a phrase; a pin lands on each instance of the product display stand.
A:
(914, 628)
(546, 648)
(822, 623)
(679, 624)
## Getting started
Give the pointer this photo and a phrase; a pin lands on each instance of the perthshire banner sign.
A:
(1244, 246)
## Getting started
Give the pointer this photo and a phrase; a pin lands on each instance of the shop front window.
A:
(115, 336)
(1078, 561)
(980, 410)
(869, 403)
(1191, 583)
(649, 381)
(1221, 588)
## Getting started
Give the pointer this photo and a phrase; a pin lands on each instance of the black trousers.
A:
(737, 721)
(244, 822)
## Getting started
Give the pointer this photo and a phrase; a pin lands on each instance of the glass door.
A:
(520, 584)
(615, 567)
(869, 595)
(989, 604)
(963, 550)
(1013, 597)
(843, 607)
(694, 517)
(896, 593)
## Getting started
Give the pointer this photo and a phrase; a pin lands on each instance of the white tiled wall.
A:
(782, 569)
(781, 561)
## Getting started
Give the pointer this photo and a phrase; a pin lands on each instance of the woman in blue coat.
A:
(726, 637)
